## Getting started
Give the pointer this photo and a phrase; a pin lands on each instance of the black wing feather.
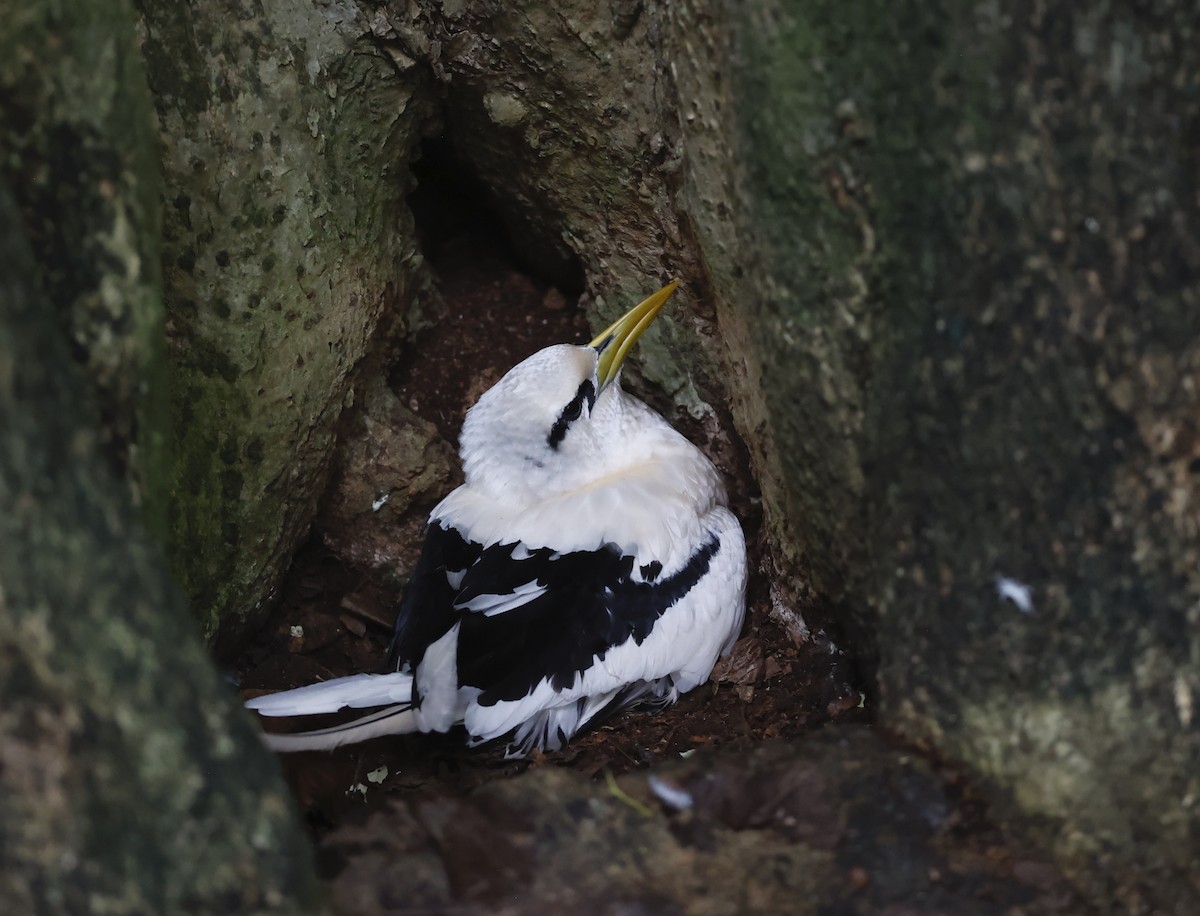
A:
(427, 608)
(590, 604)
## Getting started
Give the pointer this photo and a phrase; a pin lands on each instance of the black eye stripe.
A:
(572, 412)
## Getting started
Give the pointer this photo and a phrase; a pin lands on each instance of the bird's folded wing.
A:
(427, 612)
(563, 610)
(533, 615)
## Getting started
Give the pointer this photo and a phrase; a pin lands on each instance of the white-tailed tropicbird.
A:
(588, 563)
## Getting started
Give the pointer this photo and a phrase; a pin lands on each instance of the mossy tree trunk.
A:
(77, 151)
(130, 781)
(980, 340)
(289, 259)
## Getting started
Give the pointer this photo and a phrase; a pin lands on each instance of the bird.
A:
(588, 563)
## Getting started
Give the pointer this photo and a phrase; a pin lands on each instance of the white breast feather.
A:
(649, 510)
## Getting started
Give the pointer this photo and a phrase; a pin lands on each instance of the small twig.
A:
(621, 795)
(369, 614)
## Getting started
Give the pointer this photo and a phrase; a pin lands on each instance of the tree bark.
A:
(77, 151)
(289, 258)
(974, 292)
(130, 780)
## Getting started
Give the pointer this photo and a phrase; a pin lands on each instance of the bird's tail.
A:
(359, 691)
(394, 720)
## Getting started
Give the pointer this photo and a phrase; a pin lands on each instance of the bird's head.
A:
(553, 422)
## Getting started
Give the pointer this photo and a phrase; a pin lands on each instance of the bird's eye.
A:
(571, 413)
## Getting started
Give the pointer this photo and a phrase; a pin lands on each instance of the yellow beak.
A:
(615, 341)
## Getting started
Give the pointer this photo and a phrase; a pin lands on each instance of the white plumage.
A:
(587, 564)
